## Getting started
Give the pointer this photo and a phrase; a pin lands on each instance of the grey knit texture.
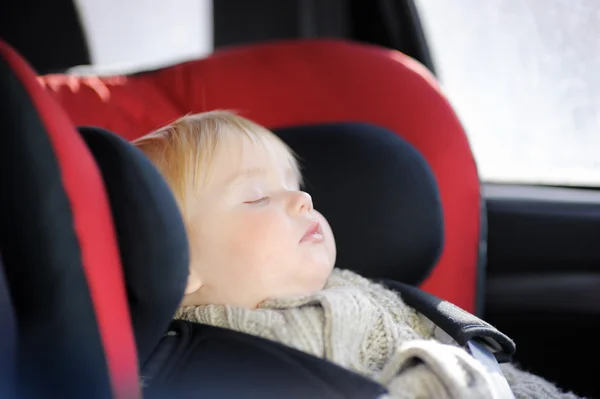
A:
(368, 329)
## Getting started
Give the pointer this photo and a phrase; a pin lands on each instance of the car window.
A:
(524, 78)
(135, 35)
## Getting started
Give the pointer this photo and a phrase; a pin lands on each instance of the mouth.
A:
(314, 233)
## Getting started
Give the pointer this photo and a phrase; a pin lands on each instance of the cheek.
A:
(208, 234)
(329, 237)
(201, 243)
(259, 234)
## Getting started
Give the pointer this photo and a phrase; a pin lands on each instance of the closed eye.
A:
(260, 201)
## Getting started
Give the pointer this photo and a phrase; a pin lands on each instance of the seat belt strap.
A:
(482, 353)
(457, 323)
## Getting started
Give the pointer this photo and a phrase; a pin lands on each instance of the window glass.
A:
(524, 78)
(132, 35)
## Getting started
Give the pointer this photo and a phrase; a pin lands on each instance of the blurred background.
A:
(522, 74)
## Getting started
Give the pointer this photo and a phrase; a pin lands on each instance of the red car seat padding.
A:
(293, 83)
(31, 120)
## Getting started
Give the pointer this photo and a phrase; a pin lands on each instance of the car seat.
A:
(62, 270)
(101, 250)
(382, 196)
(293, 83)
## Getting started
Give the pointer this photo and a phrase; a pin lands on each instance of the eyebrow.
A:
(245, 175)
(252, 172)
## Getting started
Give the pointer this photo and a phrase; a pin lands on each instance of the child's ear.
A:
(193, 283)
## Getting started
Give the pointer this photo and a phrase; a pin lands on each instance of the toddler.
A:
(262, 263)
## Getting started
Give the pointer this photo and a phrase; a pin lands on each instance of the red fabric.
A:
(292, 83)
(94, 229)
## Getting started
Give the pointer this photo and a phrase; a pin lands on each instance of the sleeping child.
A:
(262, 263)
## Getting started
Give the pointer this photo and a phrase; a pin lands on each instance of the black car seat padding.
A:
(8, 339)
(377, 192)
(206, 361)
(151, 234)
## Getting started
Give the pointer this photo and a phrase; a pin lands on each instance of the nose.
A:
(300, 202)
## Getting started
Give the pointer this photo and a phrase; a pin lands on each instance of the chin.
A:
(313, 279)
(323, 261)
(322, 272)
(314, 288)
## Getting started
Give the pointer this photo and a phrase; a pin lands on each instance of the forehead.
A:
(241, 156)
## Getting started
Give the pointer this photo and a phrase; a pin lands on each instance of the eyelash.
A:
(261, 201)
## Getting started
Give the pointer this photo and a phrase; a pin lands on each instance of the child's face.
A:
(254, 234)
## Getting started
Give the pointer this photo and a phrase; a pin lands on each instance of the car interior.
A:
(84, 215)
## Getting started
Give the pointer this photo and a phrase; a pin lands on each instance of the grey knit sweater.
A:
(368, 329)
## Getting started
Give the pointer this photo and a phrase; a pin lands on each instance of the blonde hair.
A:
(183, 151)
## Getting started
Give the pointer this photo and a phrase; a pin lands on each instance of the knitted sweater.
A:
(368, 329)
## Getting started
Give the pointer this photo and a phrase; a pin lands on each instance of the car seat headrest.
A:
(310, 81)
(377, 192)
(61, 261)
(151, 234)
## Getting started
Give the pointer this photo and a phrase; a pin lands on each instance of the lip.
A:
(314, 233)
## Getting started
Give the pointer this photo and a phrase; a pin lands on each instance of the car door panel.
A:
(543, 278)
